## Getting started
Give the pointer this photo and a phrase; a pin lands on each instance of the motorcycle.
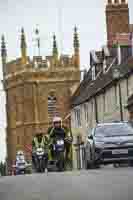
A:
(41, 159)
(21, 166)
(59, 153)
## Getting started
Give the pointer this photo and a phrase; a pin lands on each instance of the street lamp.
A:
(117, 75)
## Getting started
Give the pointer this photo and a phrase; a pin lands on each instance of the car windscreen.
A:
(114, 130)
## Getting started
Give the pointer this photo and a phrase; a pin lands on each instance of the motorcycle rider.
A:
(20, 158)
(39, 141)
(58, 130)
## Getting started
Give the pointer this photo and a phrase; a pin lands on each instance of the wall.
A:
(108, 106)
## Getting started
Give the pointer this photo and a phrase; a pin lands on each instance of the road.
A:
(103, 184)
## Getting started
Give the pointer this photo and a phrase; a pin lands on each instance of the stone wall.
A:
(27, 103)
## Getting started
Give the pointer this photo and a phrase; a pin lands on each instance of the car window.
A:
(114, 130)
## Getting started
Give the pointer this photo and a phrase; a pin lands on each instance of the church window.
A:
(52, 106)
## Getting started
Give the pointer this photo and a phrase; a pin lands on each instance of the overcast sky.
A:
(52, 16)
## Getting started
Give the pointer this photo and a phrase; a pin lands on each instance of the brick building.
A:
(36, 90)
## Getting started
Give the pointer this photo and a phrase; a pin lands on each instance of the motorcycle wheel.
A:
(41, 167)
(60, 163)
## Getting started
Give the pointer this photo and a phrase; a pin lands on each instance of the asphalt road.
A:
(103, 184)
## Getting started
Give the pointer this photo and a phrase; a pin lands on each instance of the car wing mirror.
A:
(90, 137)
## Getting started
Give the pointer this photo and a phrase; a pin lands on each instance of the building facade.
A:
(37, 90)
(130, 107)
(101, 97)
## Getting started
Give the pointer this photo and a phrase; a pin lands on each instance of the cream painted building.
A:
(102, 95)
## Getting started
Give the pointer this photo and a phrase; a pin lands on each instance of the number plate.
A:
(120, 151)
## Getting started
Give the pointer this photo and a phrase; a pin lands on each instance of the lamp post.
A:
(117, 75)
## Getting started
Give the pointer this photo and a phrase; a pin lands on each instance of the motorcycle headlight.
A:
(60, 142)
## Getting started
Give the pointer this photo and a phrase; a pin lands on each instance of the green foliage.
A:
(3, 169)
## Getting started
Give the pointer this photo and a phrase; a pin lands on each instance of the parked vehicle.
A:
(109, 143)
(41, 156)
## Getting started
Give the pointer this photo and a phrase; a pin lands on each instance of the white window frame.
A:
(93, 72)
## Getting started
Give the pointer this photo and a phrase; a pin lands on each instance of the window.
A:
(114, 130)
(52, 107)
(78, 117)
(127, 83)
(104, 102)
(93, 73)
(86, 112)
(104, 66)
(116, 98)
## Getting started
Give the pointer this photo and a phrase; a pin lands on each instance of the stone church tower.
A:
(117, 19)
(37, 90)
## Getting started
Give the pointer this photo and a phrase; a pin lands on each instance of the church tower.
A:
(117, 19)
(37, 89)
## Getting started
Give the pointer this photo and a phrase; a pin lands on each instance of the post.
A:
(96, 113)
(120, 101)
(78, 153)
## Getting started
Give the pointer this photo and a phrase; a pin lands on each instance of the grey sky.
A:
(89, 16)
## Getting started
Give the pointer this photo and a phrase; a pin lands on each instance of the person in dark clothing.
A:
(57, 130)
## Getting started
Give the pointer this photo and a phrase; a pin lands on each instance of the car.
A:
(109, 143)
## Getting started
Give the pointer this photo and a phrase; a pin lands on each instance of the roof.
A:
(87, 91)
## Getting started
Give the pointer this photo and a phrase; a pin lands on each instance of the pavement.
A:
(101, 184)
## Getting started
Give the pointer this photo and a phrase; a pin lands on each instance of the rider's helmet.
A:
(20, 153)
(57, 120)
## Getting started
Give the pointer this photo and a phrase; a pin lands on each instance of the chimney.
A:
(117, 19)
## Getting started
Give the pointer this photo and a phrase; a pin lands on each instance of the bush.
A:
(3, 169)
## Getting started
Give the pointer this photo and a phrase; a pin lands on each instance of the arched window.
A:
(52, 106)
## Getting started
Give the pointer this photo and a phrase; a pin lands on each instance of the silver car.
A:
(109, 143)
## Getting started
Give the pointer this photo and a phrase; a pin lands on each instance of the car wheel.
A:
(116, 165)
(88, 165)
(131, 163)
(97, 166)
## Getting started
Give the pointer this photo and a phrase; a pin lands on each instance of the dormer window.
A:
(93, 73)
(104, 66)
